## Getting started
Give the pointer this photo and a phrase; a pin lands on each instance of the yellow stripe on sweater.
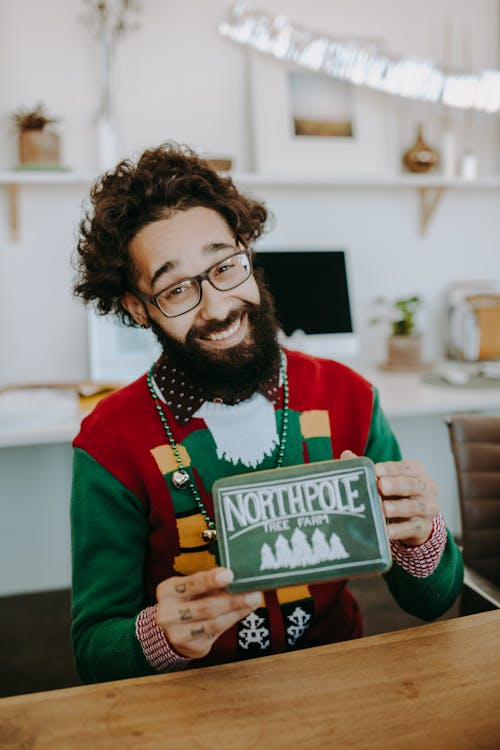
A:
(165, 457)
(315, 423)
(191, 562)
(189, 529)
(293, 594)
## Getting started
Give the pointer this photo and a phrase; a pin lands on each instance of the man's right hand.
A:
(195, 610)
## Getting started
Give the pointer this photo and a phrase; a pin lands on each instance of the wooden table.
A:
(434, 686)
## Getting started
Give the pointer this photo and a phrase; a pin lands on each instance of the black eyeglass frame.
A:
(197, 279)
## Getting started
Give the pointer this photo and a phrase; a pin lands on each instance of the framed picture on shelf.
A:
(309, 123)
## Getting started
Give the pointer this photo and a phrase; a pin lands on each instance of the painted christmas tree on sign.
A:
(300, 553)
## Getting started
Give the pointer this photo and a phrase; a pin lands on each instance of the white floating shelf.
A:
(63, 177)
(431, 187)
(362, 180)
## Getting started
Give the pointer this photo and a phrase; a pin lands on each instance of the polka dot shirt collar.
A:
(184, 399)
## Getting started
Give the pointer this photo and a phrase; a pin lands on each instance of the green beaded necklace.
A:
(181, 479)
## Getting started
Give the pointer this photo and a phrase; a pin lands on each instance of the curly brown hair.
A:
(165, 179)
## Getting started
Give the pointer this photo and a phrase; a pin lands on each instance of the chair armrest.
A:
(482, 586)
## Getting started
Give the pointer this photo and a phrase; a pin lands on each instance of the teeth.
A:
(225, 334)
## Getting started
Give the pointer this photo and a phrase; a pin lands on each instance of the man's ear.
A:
(135, 308)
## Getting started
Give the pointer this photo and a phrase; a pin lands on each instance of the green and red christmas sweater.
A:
(131, 528)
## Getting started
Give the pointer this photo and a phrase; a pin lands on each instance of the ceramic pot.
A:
(39, 147)
(404, 352)
(420, 157)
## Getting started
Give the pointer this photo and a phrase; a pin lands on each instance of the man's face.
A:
(227, 344)
(184, 245)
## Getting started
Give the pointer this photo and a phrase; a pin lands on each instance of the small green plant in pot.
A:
(404, 316)
(404, 344)
(38, 144)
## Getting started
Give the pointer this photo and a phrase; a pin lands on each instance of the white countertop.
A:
(401, 395)
(406, 395)
(64, 432)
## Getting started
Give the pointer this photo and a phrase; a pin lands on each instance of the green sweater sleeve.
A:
(381, 444)
(109, 531)
(428, 597)
(432, 596)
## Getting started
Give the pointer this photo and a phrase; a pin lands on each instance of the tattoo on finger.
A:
(421, 485)
(185, 614)
(197, 631)
(180, 588)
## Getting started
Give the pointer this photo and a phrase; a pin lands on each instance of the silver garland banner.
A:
(361, 65)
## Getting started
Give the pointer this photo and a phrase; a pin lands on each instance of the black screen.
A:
(310, 289)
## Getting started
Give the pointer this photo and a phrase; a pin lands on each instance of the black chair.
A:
(475, 443)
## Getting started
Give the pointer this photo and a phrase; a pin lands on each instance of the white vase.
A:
(106, 144)
(449, 156)
(469, 167)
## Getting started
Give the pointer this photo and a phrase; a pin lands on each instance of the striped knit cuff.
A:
(422, 560)
(157, 648)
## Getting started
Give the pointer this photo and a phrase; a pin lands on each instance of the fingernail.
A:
(347, 454)
(223, 576)
(253, 599)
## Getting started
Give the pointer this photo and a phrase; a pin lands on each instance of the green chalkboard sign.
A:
(301, 524)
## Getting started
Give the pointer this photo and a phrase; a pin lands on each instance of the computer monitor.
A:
(311, 291)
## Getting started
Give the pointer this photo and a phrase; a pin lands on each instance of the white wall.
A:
(35, 552)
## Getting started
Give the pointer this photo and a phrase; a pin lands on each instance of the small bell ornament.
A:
(209, 535)
(180, 479)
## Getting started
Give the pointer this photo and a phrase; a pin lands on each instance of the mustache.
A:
(216, 326)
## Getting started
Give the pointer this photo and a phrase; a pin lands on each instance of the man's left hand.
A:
(409, 499)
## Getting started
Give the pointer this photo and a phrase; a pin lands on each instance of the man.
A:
(168, 245)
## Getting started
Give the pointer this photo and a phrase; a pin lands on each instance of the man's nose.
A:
(214, 305)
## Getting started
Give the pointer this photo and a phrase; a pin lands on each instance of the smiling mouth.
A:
(226, 334)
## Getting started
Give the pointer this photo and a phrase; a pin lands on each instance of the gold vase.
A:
(420, 157)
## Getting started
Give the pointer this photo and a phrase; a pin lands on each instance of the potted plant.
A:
(38, 143)
(404, 344)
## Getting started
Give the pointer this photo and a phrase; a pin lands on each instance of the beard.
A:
(235, 373)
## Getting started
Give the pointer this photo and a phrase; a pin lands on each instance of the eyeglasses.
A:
(185, 295)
